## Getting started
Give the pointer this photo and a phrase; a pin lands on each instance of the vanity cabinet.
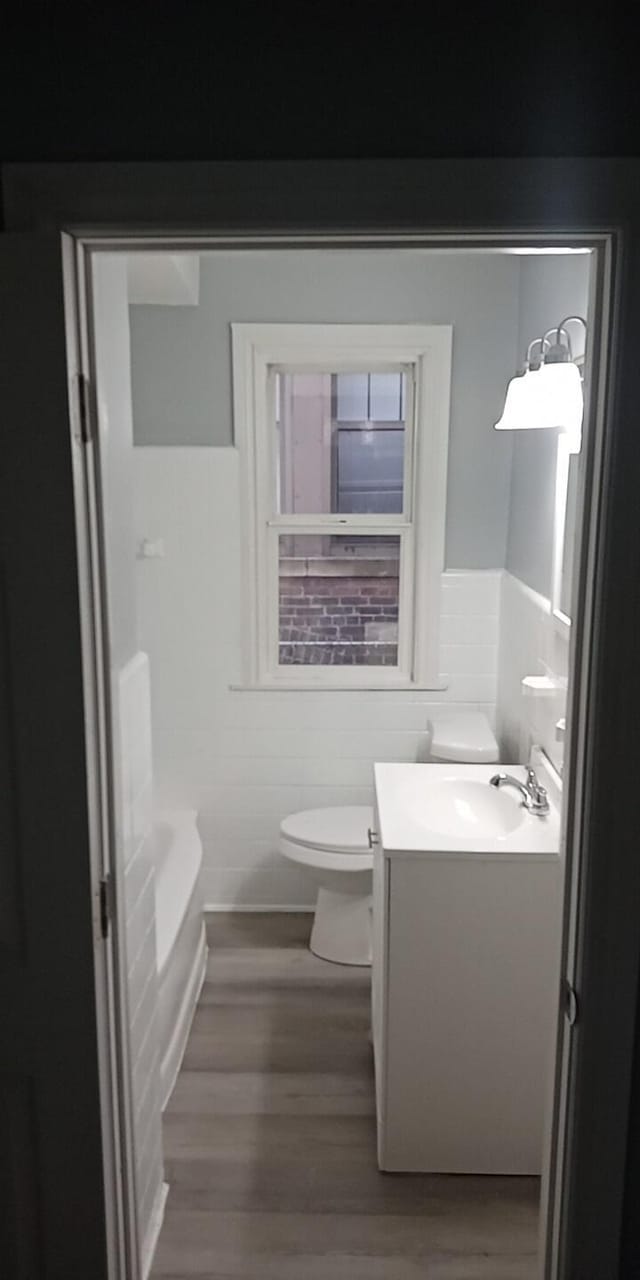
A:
(464, 982)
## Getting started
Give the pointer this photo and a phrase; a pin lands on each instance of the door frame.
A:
(110, 958)
(589, 504)
(602, 199)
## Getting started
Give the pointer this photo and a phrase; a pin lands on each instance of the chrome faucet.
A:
(534, 795)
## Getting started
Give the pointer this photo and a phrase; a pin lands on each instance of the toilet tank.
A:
(466, 738)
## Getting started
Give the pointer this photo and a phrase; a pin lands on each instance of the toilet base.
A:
(342, 928)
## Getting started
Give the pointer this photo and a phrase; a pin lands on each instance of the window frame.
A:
(425, 352)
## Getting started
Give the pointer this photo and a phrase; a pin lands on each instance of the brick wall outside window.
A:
(347, 620)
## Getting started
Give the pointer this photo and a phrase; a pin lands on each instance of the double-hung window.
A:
(342, 431)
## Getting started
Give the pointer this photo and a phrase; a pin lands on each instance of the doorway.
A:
(110, 470)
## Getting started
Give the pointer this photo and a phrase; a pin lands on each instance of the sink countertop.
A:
(443, 809)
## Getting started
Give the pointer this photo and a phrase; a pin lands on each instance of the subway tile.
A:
(136, 875)
(142, 916)
(470, 629)
(240, 854)
(147, 1101)
(146, 1064)
(236, 825)
(471, 594)
(145, 1014)
(469, 659)
(143, 962)
(265, 771)
(480, 688)
(353, 743)
(228, 887)
(529, 645)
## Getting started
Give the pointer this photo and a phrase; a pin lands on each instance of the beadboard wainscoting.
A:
(245, 758)
(133, 776)
(532, 642)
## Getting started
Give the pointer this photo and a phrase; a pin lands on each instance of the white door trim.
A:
(110, 960)
(602, 242)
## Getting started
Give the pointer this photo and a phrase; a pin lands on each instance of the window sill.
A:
(315, 686)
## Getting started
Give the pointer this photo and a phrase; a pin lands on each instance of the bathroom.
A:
(247, 1051)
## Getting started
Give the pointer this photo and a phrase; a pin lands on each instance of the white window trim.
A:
(427, 349)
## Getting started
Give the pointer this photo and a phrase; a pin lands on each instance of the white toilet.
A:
(466, 737)
(334, 844)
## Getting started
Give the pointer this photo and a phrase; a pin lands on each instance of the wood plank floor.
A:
(270, 1138)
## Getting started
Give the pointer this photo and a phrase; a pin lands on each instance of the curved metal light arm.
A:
(545, 343)
(557, 331)
(535, 364)
(567, 320)
(562, 329)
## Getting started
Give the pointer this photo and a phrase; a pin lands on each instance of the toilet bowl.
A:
(333, 844)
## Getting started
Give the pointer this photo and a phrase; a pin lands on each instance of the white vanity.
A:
(466, 919)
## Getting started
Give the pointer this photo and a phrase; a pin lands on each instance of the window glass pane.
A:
(385, 394)
(369, 470)
(330, 460)
(338, 600)
(305, 443)
(352, 397)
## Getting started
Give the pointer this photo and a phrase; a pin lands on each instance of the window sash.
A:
(321, 524)
(274, 670)
(358, 526)
(268, 442)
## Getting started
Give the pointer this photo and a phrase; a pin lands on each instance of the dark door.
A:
(52, 1181)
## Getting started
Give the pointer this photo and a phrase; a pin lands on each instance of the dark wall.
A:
(207, 81)
(163, 83)
(630, 1247)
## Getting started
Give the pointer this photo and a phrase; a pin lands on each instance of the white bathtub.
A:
(180, 935)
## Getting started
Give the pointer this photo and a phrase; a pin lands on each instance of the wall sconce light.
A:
(547, 394)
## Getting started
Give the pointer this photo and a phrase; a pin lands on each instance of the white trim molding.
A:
(564, 455)
(424, 351)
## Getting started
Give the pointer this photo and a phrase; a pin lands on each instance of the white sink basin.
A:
(452, 808)
(465, 808)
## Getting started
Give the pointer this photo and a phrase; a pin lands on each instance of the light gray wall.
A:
(550, 289)
(181, 357)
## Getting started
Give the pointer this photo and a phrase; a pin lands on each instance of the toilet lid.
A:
(344, 828)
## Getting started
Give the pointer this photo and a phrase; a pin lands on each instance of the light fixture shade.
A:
(561, 402)
(520, 411)
(546, 398)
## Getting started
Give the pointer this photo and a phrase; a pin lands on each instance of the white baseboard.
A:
(153, 1230)
(251, 908)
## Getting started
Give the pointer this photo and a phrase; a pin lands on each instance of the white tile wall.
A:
(134, 808)
(244, 759)
(531, 643)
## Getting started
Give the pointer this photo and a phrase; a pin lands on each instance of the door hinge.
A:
(570, 1002)
(85, 415)
(106, 904)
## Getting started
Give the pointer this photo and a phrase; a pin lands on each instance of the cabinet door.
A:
(469, 1020)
